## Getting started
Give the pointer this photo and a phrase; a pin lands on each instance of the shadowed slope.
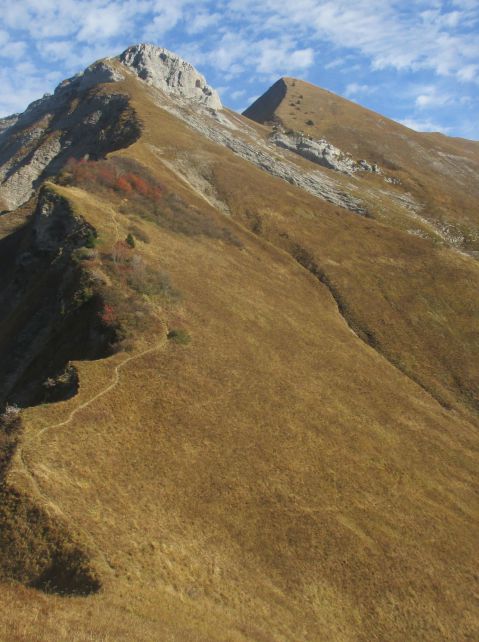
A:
(264, 108)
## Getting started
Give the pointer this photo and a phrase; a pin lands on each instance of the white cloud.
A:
(334, 63)
(201, 21)
(355, 89)
(468, 73)
(274, 57)
(13, 50)
(432, 97)
(19, 89)
(56, 50)
(388, 33)
(101, 23)
(250, 42)
(424, 100)
(231, 49)
(164, 21)
(424, 125)
(301, 59)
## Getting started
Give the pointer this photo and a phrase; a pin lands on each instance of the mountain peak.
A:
(167, 71)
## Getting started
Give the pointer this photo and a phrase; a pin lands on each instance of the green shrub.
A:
(91, 239)
(83, 295)
(140, 234)
(130, 240)
(179, 336)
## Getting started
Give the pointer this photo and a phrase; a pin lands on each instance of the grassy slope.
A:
(430, 166)
(276, 479)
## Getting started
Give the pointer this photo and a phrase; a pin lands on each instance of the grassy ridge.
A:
(276, 477)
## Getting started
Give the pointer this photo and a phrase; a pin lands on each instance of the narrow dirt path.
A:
(22, 464)
(111, 386)
(28, 472)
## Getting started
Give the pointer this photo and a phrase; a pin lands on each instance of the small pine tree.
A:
(130, 240)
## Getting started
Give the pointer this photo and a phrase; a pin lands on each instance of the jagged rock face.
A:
(54, 225)
(6, 123)
(170, 73)
(67, 124)
(318, 151)
(46, 323)
(35, 144)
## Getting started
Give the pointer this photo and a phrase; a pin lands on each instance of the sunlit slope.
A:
(278, 478)
(412, 300)
(442, 173)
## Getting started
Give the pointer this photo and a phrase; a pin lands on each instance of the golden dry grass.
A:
(440, 172)
(277, 479)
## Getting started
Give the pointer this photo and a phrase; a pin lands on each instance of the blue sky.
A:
(416, 61)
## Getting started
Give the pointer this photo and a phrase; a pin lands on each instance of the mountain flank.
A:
(435, 176)
(238, 358)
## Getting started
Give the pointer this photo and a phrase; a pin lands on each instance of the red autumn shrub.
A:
(123, 184)
(114, 174)
(106, 174)
(107, 315)
(139, 184)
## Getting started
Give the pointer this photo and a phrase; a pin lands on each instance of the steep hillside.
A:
(435, 177)
(272, 432)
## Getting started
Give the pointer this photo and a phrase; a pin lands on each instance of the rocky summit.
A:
(167, 71)
(238, 366)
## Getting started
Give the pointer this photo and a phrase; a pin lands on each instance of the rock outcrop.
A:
(170, 73)
(322, 153)
(35, 144)
(245, 143)
(50, 309)
(60, 126)
(6, 123)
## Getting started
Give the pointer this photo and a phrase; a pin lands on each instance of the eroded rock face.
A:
(55, 225)
(73, 123)
(322, 153)
(318, 151)
(50, 306)
(70, 123)
(6, 123)
(218, 127)
(170, 73)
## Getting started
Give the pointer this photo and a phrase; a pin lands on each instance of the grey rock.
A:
(373, 168)
(317, 151)
(321, 152)
(245, 143)
(17, 187)
(35, 144)
(50, 132)
(170, 73)
(7, 122)
(54, 223)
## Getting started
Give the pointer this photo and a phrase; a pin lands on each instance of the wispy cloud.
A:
(424, 125)
(433, 97)
(355, 89)
(348, 45)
